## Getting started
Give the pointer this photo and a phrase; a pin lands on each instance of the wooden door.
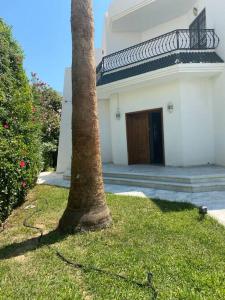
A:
(138, 138)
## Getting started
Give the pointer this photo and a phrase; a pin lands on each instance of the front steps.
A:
(154, 180)
(188, 184)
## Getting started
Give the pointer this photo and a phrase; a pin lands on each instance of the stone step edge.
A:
(169, 178)
(204, 187)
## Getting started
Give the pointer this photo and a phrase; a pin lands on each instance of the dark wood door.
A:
(138, 138)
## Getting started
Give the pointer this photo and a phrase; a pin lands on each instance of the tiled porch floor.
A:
(166, 171)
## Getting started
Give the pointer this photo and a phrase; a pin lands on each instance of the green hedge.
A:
(19, 127)
(50, 103)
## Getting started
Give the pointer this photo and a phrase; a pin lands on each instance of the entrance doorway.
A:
(145, 141)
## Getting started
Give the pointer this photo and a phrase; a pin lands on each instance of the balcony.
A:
(181, 46)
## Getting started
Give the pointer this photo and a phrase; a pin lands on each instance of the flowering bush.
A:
(50, 110)
(19, 128)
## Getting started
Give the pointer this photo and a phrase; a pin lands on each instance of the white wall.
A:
(139, 15)
(189, 135)
(194, 133)
(181, 22)
(219, 118)
(178, 23)
(118, 6)
(98, 55)
(65, 139)
(215, 12)
(216, 19)
(197, 122)
(105, 130)
(188, 131)
(115, 41)
(143, 99)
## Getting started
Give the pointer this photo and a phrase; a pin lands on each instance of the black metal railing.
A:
(182, 39)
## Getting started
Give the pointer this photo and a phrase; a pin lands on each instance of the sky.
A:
(42, 29)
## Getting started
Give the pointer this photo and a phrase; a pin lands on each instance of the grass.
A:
(186, 256)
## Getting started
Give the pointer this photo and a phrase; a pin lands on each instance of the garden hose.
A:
(147, 285)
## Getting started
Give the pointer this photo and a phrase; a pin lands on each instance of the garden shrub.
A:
(19, 127)
(50, 102)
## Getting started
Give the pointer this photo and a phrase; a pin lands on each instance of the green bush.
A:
(50, 103)
(19, 126)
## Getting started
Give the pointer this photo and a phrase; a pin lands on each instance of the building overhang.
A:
(161, 76)
(138, 16)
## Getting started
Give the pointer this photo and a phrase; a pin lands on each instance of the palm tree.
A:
(86, 208)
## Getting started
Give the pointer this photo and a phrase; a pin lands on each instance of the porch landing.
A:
(189, 179)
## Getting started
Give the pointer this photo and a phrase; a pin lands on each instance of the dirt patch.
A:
(86, 295)
(21, 258)
(41, 226)
(19, 238)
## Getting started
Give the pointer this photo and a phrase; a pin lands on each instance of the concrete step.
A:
(220, 178)
(165, 185)
(189, 184)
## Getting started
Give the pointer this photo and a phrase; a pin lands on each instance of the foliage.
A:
(185, 255)
(19, 129)
(50, 109)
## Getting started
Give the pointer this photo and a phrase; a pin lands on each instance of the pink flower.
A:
(24, 184)
(22, 164)
(6, 126)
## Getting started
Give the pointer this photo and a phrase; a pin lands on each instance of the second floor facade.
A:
(132, 22)
(143, 31)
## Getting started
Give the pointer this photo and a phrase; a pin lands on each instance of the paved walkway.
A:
(215, 201)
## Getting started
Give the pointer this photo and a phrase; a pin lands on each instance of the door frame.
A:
(162, 120)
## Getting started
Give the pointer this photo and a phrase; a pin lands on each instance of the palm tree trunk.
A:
(86, 208)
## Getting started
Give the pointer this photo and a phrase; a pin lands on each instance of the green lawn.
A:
(186, 255)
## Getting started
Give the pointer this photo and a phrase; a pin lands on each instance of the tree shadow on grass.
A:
(167, 206)
(17, 249)
(21, 248)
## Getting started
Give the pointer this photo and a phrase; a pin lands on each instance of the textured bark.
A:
(87, 208)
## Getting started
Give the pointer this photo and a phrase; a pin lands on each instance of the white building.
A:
(161, 84)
